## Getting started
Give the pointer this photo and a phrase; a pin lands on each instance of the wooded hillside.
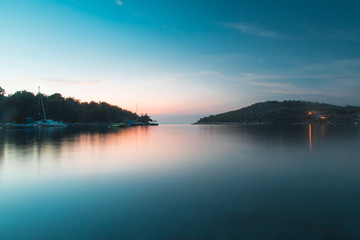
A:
(21, 105)
(287, 112)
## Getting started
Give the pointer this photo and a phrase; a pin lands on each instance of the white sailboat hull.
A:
(50, 123)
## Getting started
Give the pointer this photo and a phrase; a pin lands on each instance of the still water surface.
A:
(181, 182)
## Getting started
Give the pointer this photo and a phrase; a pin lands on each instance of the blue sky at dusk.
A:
(182, 58)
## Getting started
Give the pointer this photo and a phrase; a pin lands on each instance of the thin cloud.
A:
(119, 3)
(339, 66)
(251, 29)
(287, 89)
(337, 90)
(140, 14)
(219, 76)
(72, 82)
(163, 80)
(352, 35)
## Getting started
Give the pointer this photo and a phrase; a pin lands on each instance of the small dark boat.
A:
(137, 124)
(118, 125)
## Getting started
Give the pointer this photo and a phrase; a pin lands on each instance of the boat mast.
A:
(42, 103)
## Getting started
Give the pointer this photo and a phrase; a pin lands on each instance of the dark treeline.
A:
(21, 105)
(287, 112)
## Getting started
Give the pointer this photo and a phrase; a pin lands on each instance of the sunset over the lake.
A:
(179, 120)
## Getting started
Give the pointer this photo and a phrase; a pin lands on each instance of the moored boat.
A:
(153, 123)
(50, 123)
(135, 123)
(118, 125)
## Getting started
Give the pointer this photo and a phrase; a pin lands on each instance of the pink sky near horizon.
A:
(167, 96)
(182, 102)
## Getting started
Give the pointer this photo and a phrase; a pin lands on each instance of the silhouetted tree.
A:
(22, 104)
(2, 93)
(144, 118)
(18, 106)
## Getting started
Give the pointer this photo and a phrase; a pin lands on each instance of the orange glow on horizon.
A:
(173, 108)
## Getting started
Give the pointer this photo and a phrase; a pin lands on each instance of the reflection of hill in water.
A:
(23, 137)
(316, 136)
(27, 138)
(59, 141)
(282, 132)
(27, 141)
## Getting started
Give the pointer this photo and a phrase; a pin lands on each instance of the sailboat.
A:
(133, 123)
(48, 122)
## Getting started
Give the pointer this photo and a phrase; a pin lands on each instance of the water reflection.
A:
(105, 149)
(41, 154)
(181, 182)
(310, 138)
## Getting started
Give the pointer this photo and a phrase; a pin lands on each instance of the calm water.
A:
(181, 182)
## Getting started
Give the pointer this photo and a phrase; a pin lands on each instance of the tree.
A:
(17, 107)
(2, 93)
(2, 97)
(145, 119)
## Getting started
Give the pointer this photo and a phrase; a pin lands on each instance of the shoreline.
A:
(81, 125)
(262, 123)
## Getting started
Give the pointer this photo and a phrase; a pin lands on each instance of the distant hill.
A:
(20, 106)
(287, 112)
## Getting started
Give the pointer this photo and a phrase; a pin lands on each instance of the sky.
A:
(181, 60)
